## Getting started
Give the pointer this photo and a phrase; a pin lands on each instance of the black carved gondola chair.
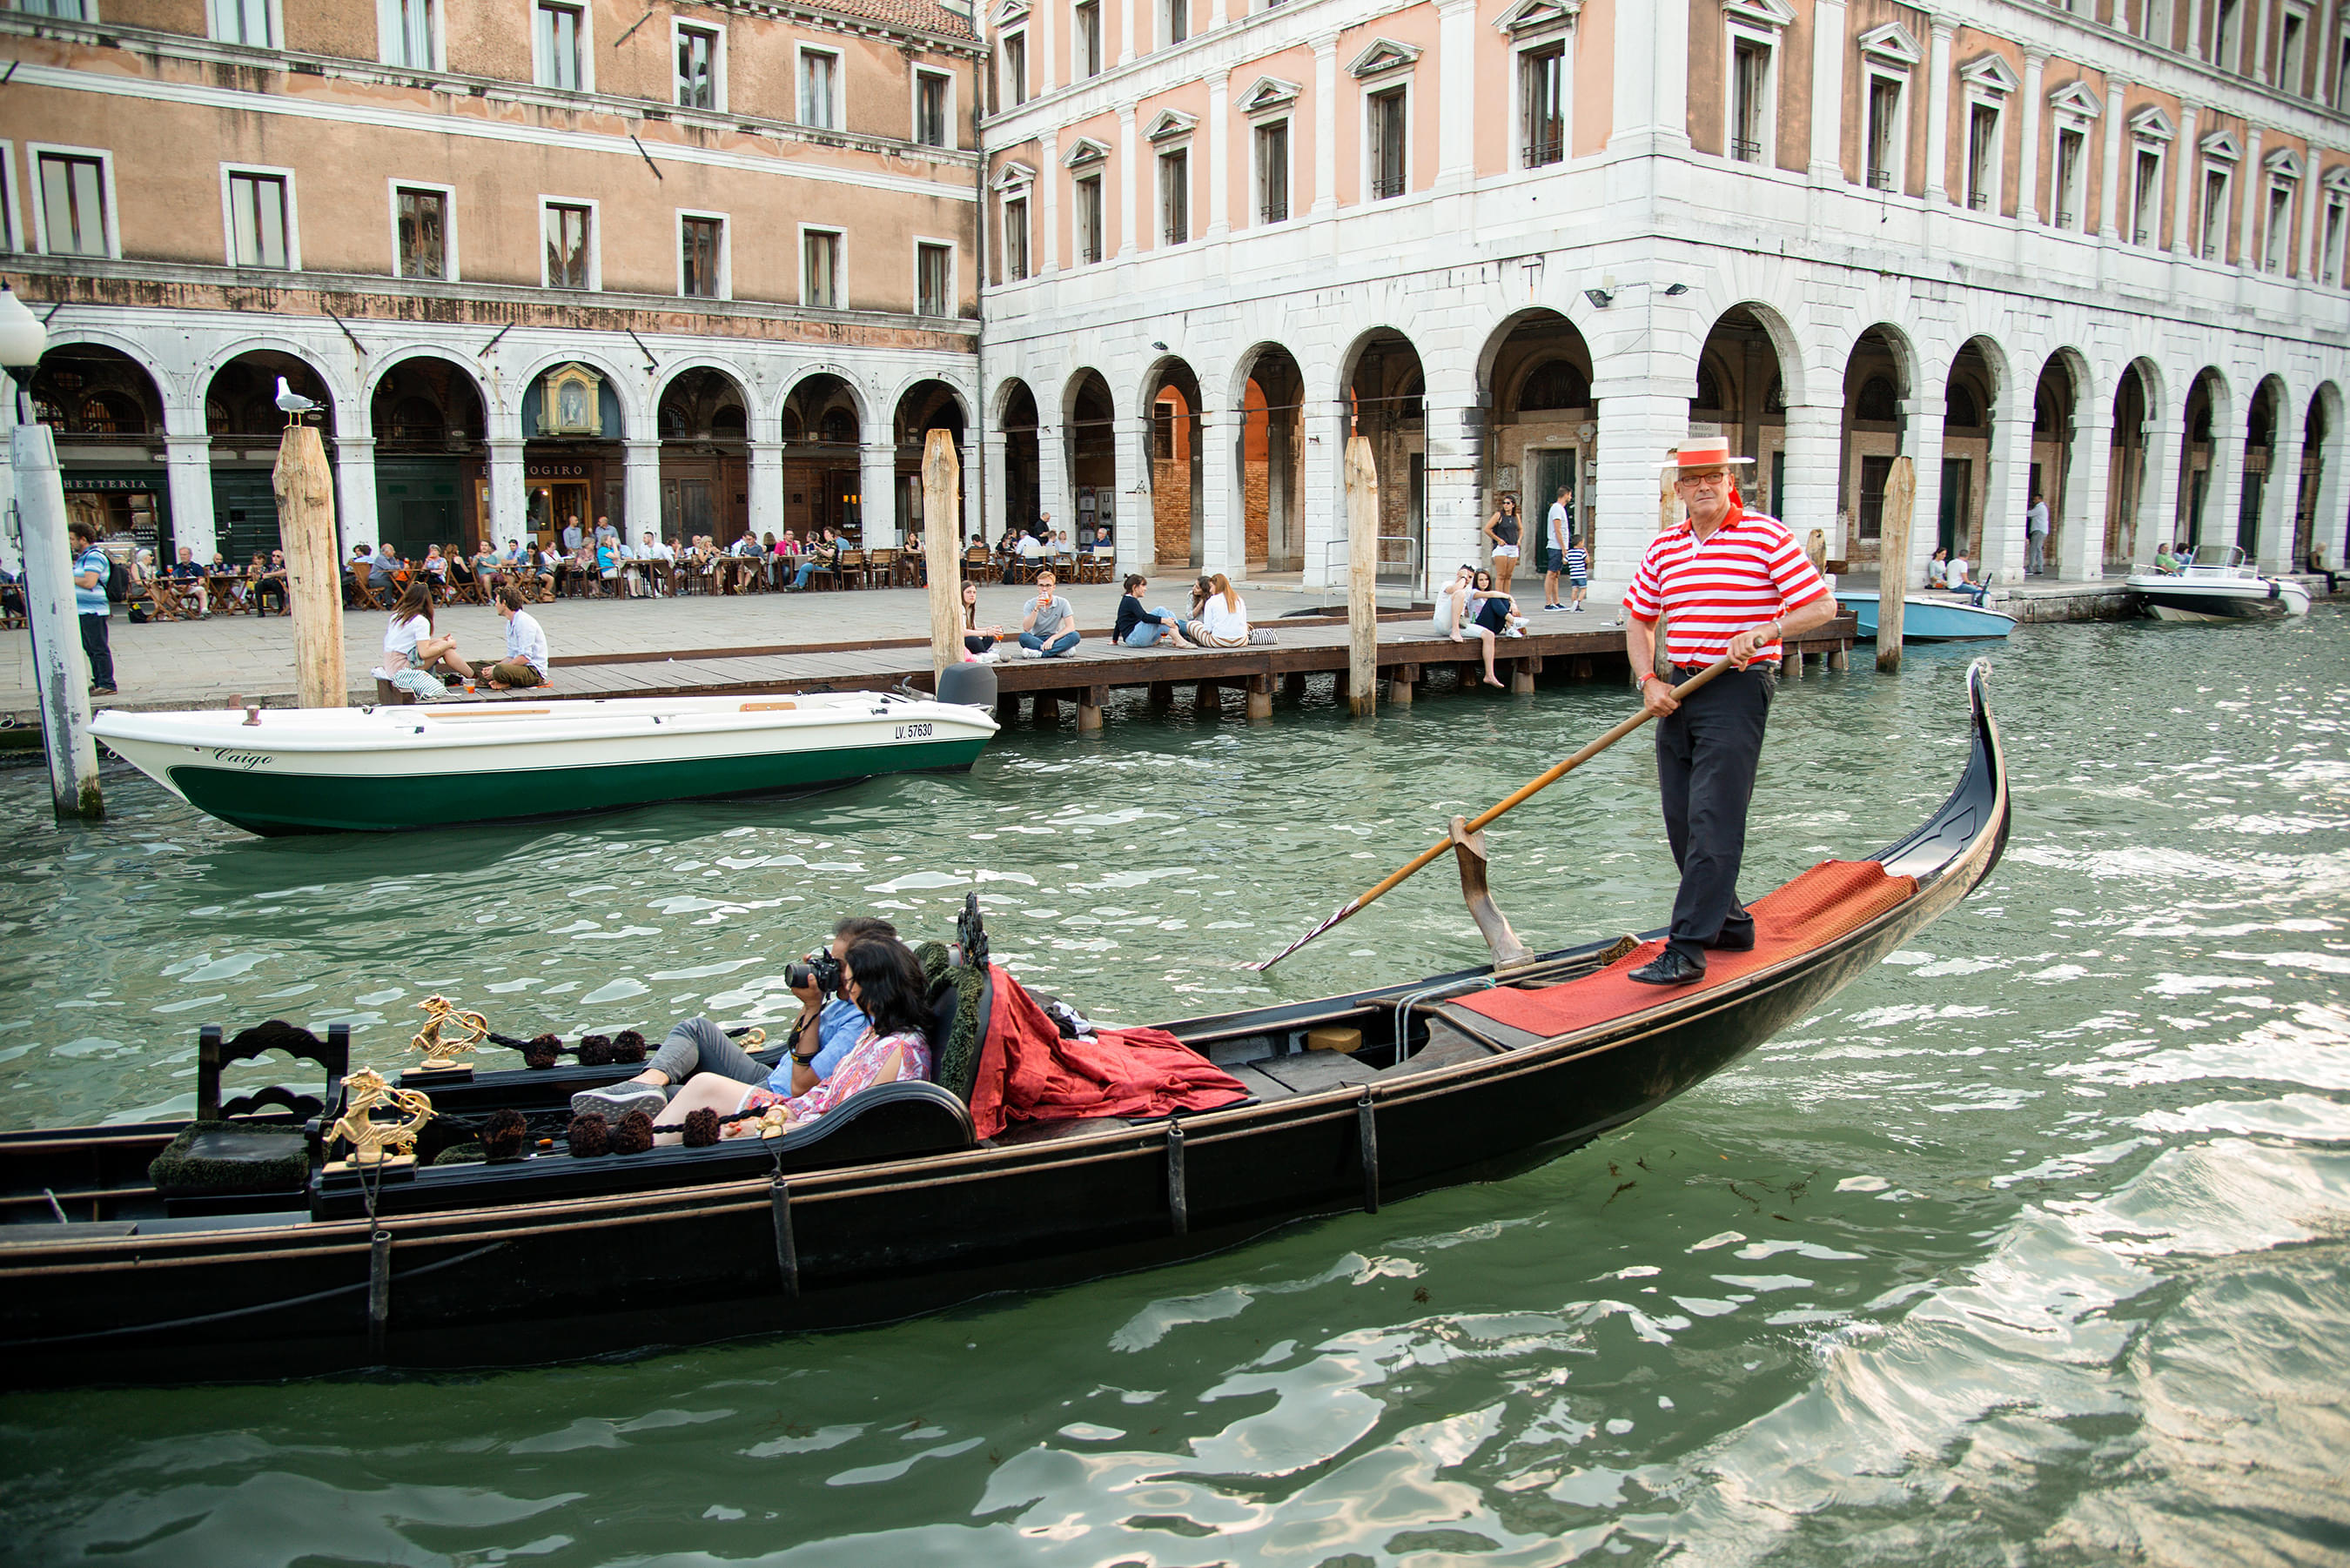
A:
(254, 1151)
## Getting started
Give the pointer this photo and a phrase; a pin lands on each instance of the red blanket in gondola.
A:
(1029, 1073)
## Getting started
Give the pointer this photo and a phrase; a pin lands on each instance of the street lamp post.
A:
(36, 520)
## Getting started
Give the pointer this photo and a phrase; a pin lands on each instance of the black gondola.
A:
(889, 1207)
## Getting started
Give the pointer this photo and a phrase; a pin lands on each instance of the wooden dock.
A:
(1308, 646)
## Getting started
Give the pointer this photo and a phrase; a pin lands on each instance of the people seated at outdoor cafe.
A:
(525, 664)
(822, 554)
(383, 567)
(875, 1031)
(572, 538)
(263, 583)
(413, 649)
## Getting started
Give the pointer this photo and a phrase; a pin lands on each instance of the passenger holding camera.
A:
(828, 1027)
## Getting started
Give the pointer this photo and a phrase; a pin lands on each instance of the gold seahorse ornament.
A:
(441, 1052)
(373, 1142)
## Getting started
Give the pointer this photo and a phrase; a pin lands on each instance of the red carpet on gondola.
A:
(1823, 904)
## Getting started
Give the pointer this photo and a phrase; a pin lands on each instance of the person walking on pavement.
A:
(2036, 537)
(90, 571)
(1730, 583)
(1558, 529)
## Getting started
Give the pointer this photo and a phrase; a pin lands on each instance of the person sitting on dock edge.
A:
(1048, 625)
(1731, 584)
(1222, 619)
(525, 664)
(1141, 627)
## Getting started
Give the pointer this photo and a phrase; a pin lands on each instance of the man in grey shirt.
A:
(1048, 626)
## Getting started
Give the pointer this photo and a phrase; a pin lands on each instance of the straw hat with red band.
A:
(1705, 451)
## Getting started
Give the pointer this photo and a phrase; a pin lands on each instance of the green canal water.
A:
(2028, 1249)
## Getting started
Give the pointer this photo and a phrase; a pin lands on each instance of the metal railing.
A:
(1746, 151)
(1549, 147)
(1881, 179)
(1273, 212)
(1385, 185)
(1980, 200)
(1402, 573)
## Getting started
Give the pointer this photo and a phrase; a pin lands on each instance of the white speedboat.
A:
(338, 770)
(2219, 584)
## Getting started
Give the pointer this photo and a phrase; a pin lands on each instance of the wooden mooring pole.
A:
(1362, 577)
(313, 584)
(942, 546)
(1893, 561)
(60, 670)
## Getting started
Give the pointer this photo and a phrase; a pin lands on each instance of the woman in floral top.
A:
(884, 981)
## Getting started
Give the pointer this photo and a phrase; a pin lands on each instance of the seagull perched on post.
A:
(293, 404)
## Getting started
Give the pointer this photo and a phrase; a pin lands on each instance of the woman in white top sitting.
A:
(411, 647)
(1224, 618)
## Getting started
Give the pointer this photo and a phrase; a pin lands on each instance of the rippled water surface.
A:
(2028, 1249)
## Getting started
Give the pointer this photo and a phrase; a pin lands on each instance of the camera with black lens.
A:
(821, 970)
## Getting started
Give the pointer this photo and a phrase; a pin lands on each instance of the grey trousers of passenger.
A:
(698, 1045)
(1707, 753)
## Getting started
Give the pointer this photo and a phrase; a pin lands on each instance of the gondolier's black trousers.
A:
(1706, 756)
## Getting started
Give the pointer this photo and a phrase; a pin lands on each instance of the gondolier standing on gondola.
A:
(1728, 582)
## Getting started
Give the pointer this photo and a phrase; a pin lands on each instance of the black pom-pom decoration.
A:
(594, 1050)
(542, 1051)
(628, 1045)
(507, 1135)
(634, 1134)
(701, 1128)
(589, 1135)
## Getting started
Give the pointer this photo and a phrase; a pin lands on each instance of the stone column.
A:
(2273, 547)
(876, 490)
(355, 509)
(1220, 12)
(998, 458)
(2027, 178)
(2254, 178)
(2309, 200)
(1052, 481)
(2330, 527)
(1047, 61)
(1651, 81)
(1455, 511)
(2109, 191)
(1456, 109)
(2258, 38)
(1937, 114)
(1126, 41)
(1223, 523)
(766, 492)
(1137, 531)
(1640, 418)
(2088, 479)
(1220, 155)
(2189, 157)
(2223, 493)
(1923, 442)
(188, 476)
(1815, 440)
(1325, 120)
(1829, 44)
(1126, 182)
(1049, 174)
(1322, 497)
(640, 493)
(2157, 491)
(510, 492)
(2001, 548)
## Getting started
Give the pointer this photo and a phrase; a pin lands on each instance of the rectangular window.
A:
(1085, 39)
(2067, 190)
(1015, 68)
(931, 110)
(820, 269)
(1391, 169)
(2215, 214)
(1175, 196)
(934, 280)
(1873, 473)
(1015, 238)
(819, 89)
(2225, 53)
(2277, 242)
(64, 10)
(1178, 20)
(1272, 173)
(2146, 199)
(73, 204)
(408, 34)
(701, 257)
(1541, 104)
(421, 221)
(1750, 78)
(2342, 74)
(697, 69)
(257, 216)
(2329, 258)
(1088, 217)
(1884, 131)
(244, 22)
(1982, 157)
(559, 46)
(570, 233)
(2289, 53)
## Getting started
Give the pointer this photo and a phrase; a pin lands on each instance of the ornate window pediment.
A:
(1269, 93)
(1537, 16)
(1085, 149)
(1384, 55)
(2337, 177)
(571, 401)
(2150, 124)
(1990, 73)
(1772, 16)
(2284, 163)
(2074, 98)
(1013, 176)
(2222, 145)
(1010, 13)
(1170, 123)
(1890, 45)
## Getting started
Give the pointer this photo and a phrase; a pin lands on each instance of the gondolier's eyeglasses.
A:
(1703, 476)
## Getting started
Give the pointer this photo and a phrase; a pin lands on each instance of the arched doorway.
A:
(926, 406)
(2055, 420)
(1537, 391)
(2198, 455)
(2260, 455)
(1023, 458)
(242, 418)
(820, 431)
(705, 457)
(1090, 426)
(1968, 398)
(572, 427)
(1179, 508)
(2126, 468)
(1272, 455)
(1877, 388)
(432, 478)
(106, 415)
(2315, 427)
(1740, 393)
(1385, 401)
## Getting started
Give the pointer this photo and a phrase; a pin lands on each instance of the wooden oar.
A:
(1518, 797)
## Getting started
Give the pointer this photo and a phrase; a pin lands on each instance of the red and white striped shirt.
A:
(1748, 572)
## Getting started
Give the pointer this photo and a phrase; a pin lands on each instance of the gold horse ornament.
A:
(373, 1142)
(435, 1039)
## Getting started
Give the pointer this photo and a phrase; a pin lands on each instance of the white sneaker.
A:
(1032, 653)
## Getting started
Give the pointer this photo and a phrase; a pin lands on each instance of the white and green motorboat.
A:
(365, 770)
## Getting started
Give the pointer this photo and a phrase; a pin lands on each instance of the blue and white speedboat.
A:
(1928, 620)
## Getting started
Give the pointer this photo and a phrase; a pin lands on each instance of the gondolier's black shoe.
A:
(1734, 938)
(1670, 967)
